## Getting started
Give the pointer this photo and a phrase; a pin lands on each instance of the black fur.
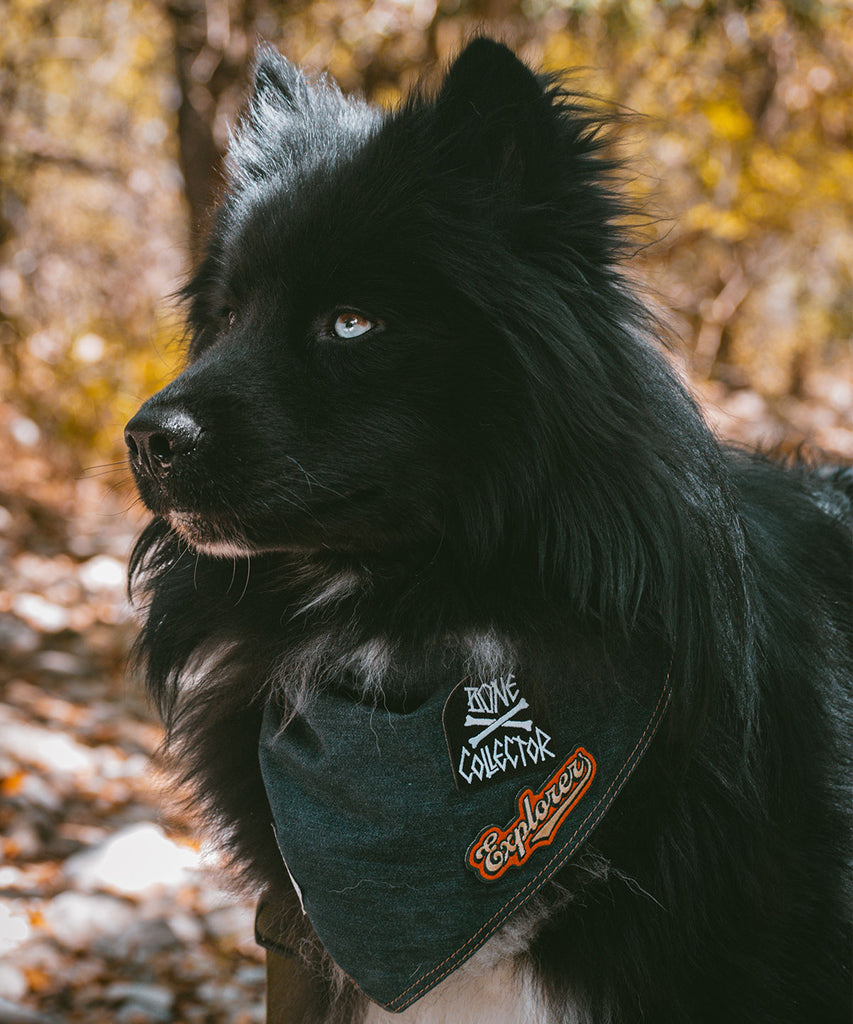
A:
(507, 455)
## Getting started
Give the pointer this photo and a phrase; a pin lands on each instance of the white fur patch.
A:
(369, 662)
(334, 589)
(205, 664)
(487, 655)
(307, 669)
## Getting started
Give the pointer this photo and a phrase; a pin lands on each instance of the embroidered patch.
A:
(492, 731)
(539, 819)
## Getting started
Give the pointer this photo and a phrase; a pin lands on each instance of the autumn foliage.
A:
(114, 116)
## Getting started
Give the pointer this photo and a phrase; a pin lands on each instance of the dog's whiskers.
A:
(248, 561)
(313, 481)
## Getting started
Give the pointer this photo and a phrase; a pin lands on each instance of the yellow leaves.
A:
(38, 980)
(711, 171)
(836, 178)
(36, 917)
(143, 50)
(387, 96)
(759, 206)
(563, 51)
(726, 225)
(10, 785)
(775, 172)
(728, 120)
(771, 17)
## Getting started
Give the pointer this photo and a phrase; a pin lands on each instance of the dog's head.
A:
(412, 351)
(372, 327)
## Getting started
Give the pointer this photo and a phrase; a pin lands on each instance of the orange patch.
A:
(540, 817)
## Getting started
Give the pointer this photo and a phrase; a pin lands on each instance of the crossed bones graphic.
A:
(508, 719)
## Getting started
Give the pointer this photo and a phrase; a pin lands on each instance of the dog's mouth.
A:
(220, 540)
(321, 525)
(206, 535)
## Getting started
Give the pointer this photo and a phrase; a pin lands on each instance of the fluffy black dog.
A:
(425, 435)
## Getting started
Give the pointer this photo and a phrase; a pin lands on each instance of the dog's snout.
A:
(155, 438)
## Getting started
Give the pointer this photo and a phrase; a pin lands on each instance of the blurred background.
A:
(113, 118)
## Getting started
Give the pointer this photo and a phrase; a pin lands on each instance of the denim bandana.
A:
(413, 837)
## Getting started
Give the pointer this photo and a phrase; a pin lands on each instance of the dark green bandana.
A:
(413, 837)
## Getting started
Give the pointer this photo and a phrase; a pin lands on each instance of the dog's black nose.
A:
(156, 437)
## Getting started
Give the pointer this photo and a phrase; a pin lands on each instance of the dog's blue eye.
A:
(352, 325)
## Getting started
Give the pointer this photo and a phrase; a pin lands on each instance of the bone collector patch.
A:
(493, 732)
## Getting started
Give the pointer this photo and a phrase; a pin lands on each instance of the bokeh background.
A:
(113, 119)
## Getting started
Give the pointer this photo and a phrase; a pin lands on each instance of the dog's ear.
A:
(264, 140)
(276, 83)
(499, 115)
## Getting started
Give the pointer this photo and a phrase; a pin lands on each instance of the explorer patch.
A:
(540, 817)
(492, 731)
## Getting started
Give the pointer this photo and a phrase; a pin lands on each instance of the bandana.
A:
(411, 838)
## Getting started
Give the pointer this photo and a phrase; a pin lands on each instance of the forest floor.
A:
(110, 911)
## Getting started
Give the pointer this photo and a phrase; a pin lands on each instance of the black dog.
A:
(455, 603)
